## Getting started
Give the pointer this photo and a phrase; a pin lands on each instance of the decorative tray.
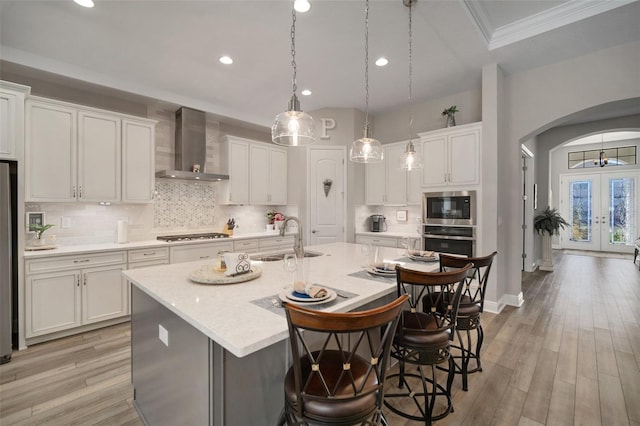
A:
(211, 276)
(45, 247)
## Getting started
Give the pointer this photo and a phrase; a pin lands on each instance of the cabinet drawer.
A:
(377, 241)
(191, 253)
(143, 255)
(148, 263)
(276, 243)
(60, 263)
(247, 246)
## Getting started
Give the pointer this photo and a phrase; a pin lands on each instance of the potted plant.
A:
(39, 230)
(548, 223)
(450, 113)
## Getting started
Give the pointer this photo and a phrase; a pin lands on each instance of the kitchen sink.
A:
(274, 257)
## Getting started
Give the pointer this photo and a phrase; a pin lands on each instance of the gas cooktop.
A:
(191, 237)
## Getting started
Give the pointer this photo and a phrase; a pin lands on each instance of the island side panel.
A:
(171, 383)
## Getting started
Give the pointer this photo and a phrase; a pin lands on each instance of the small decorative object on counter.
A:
(450, 113)
(39, 230)
(229, 226)
(196, 168)
(221, 264)
(237, 264)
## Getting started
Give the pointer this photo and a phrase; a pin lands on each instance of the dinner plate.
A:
(375, 271)
(286, 295)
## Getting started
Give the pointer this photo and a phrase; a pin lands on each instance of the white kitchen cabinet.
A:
(50, 152)
(65, 292)
(378, 241)
(267, 175)
(11, 118)
(452, 156)
(387, 183)
(276, 243)
(138, 161)
(76, 154)
(200, 251)
(246, 246)
(235, 155)
(99, 153)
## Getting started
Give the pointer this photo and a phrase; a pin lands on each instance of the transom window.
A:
(619, 156)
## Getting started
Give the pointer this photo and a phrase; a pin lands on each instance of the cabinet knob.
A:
(314, 231)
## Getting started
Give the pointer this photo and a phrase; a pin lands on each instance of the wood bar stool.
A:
(339, 365)
(423, 339)
(471, 306)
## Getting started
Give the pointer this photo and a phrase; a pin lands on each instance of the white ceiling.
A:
(169, 50)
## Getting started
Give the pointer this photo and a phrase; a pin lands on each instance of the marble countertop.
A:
(226, 314)
(104, 247)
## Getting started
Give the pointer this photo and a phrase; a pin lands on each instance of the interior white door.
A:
(326, 192)
(602, 210)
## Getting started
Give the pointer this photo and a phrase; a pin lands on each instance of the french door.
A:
(602, 211)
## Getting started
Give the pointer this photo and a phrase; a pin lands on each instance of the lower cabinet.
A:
(69, 291)
(378, 241)
(201, 251)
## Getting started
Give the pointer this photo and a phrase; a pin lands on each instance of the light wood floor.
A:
(569, 355)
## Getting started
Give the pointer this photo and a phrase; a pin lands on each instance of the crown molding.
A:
(550, 19)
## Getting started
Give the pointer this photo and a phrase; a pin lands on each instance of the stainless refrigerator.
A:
(8, 257)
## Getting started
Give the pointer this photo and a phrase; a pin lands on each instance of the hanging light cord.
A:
(293, 50)
(410, 77)
(366, 69)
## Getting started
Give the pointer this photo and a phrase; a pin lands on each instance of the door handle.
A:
(313, 231)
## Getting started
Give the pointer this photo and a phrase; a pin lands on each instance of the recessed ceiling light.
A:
(226, 60)
(382, 61)
(306, 92)
(301, 5)
(85, 3)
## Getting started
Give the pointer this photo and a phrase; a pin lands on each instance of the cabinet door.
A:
(50, 152)
(53, 302)
(193, 252)
(8, 125)
(104, 294)
(434, 154)
(259, 184)
(396, 176)
(375, 183)
(238, 172)
(277, 176)
(464, 157)
(99, 157)
(138, 161)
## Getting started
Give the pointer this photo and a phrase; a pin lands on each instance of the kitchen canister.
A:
(122, 231)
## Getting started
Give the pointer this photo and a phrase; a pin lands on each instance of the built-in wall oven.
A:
(449, 222)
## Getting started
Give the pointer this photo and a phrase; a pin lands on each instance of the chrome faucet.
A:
(297, 244)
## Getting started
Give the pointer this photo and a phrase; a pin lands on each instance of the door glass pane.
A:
(621, 205)
(580, 210)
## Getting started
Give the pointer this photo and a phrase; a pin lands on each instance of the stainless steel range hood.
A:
(191, 148)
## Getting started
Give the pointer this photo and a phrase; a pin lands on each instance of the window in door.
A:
(580, 210)
(621, 191)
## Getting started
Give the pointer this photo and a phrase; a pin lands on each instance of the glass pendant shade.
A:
(366, 150)
(411, 159)
(293, 127)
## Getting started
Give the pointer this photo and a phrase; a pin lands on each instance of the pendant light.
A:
(366, 149)
(293, 127)
(411, 159)
(602, 157)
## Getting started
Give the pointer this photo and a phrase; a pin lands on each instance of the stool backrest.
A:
(440, 291)
(479, 274)
(365, 335)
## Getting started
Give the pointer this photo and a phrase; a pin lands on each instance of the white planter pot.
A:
(547, 253)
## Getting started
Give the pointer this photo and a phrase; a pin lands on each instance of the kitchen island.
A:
(217, 354)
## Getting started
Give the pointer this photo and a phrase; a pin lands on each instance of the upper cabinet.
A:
(75, 153)
(452, 156)
(257, 173)
(11, 118)
(267, 174)
(387, 183)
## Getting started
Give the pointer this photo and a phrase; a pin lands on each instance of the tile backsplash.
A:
(184, 204)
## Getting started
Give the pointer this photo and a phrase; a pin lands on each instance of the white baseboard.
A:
(506, 299)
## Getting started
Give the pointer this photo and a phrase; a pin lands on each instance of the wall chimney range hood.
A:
(191, 148)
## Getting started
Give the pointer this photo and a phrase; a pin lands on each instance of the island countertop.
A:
(226, 314)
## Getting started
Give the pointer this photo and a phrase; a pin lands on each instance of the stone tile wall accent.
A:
(184, 204)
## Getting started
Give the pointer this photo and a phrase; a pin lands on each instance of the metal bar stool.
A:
(339, 365)
(471, 306)
(423, 339)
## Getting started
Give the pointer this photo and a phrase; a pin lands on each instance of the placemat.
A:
(273, 303)
(367, 276)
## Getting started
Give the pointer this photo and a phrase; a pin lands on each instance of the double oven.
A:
(449, 222)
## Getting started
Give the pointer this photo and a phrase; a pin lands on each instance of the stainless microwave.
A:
(449, 208)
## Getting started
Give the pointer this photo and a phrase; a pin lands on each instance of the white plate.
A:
(372, 270)
(287, 296)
